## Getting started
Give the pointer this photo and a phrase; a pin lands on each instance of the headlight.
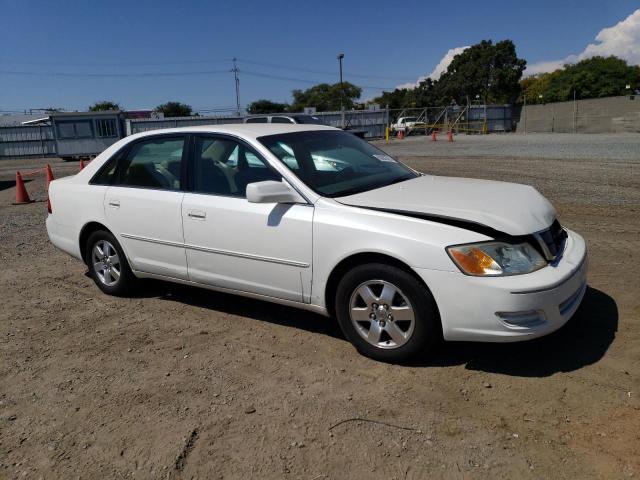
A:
(496, 258)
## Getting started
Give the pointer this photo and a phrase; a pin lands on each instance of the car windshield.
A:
(410, 119)
(307, 119)
(335, 163)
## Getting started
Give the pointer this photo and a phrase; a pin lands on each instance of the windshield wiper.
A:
(396, 180)
(353, 191)
(366, 188)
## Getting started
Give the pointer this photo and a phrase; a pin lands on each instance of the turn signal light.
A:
(475, 262)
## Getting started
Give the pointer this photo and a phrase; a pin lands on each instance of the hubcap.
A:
(382, 314)
(106, 263)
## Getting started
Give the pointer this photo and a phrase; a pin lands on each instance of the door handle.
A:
(197, 214)
(114, 203)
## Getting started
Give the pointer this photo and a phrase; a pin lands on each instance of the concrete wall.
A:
(597, 115)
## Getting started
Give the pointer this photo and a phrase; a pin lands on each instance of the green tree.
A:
(398, 98)
(326, 97)
(491, 71)
(267, 106)
(103, 106)
(593, 77)
(174, 109)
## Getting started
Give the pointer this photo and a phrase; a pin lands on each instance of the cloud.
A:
(445, 61)
(621, 40)
(439, 68)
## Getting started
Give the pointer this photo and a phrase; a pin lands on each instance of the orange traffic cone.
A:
(450, 136)
(81, 164)
(22, 196)
(49, 175)
(400, 134)
(434, 137)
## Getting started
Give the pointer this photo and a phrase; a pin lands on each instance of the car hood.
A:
(507, 207)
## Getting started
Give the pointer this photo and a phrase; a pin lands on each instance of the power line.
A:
(302, 80)
(174, 74)
(130, 74)
(187, 62)
(320, 72)
(114, 64)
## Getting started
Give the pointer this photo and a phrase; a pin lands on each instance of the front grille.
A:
(552, 240)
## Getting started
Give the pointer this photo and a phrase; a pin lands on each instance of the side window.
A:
(78, 129)
(106, 128)
(225, 167)
(281, 120)
(154, 163)
(105, 174)
(256, 120)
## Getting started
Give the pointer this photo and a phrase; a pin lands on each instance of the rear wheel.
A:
(386, 312)
(108, 265)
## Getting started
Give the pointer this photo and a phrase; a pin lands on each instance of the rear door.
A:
(143, 205)
(262, 248)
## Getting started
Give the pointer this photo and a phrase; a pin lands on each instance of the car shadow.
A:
(241, 306)
(5, 184)
(582, 341)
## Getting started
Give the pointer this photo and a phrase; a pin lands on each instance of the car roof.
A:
(246, 130)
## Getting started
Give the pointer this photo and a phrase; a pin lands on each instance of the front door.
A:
(143, 206)
(231, 243)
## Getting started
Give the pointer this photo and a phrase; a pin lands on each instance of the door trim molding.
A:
(216, 251)
(267, 298)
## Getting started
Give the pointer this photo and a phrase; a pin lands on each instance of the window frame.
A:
(75, 131)
(123, 153)
(98, 126)
(258, 119)
(289, 120)
(221, 136)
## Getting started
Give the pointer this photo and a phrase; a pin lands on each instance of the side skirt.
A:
(290, 303)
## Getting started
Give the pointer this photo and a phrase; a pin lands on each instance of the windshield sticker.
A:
(385, 158)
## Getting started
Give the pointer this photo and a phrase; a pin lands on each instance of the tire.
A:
(108, 264)
(406, 321)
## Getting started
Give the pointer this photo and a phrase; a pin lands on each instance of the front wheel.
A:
(386, 312)
(108, 265)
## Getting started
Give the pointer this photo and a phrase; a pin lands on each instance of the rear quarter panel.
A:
(74, 204)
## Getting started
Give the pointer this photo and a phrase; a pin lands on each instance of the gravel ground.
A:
(618, 146)
(179, 382)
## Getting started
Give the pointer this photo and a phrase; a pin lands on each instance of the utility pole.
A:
(525, 113)
(237, 80)
(340, 57)
(575, 112)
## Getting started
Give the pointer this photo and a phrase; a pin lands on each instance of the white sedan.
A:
(401, 259)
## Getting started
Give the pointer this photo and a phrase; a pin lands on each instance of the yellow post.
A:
(386, 134)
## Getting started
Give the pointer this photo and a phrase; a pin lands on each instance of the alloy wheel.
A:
(106, 263)
(382, 314)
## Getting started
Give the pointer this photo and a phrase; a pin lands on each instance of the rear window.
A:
(308, 119)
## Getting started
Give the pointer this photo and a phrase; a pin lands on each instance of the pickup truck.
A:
(406, 125)
(299, 119)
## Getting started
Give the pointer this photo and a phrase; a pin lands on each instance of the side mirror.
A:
(270, 191)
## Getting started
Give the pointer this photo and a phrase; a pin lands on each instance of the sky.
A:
(70, 53)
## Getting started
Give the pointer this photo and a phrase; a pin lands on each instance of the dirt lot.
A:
(185, 383)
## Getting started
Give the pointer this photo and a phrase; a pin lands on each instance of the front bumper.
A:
(509, 309)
